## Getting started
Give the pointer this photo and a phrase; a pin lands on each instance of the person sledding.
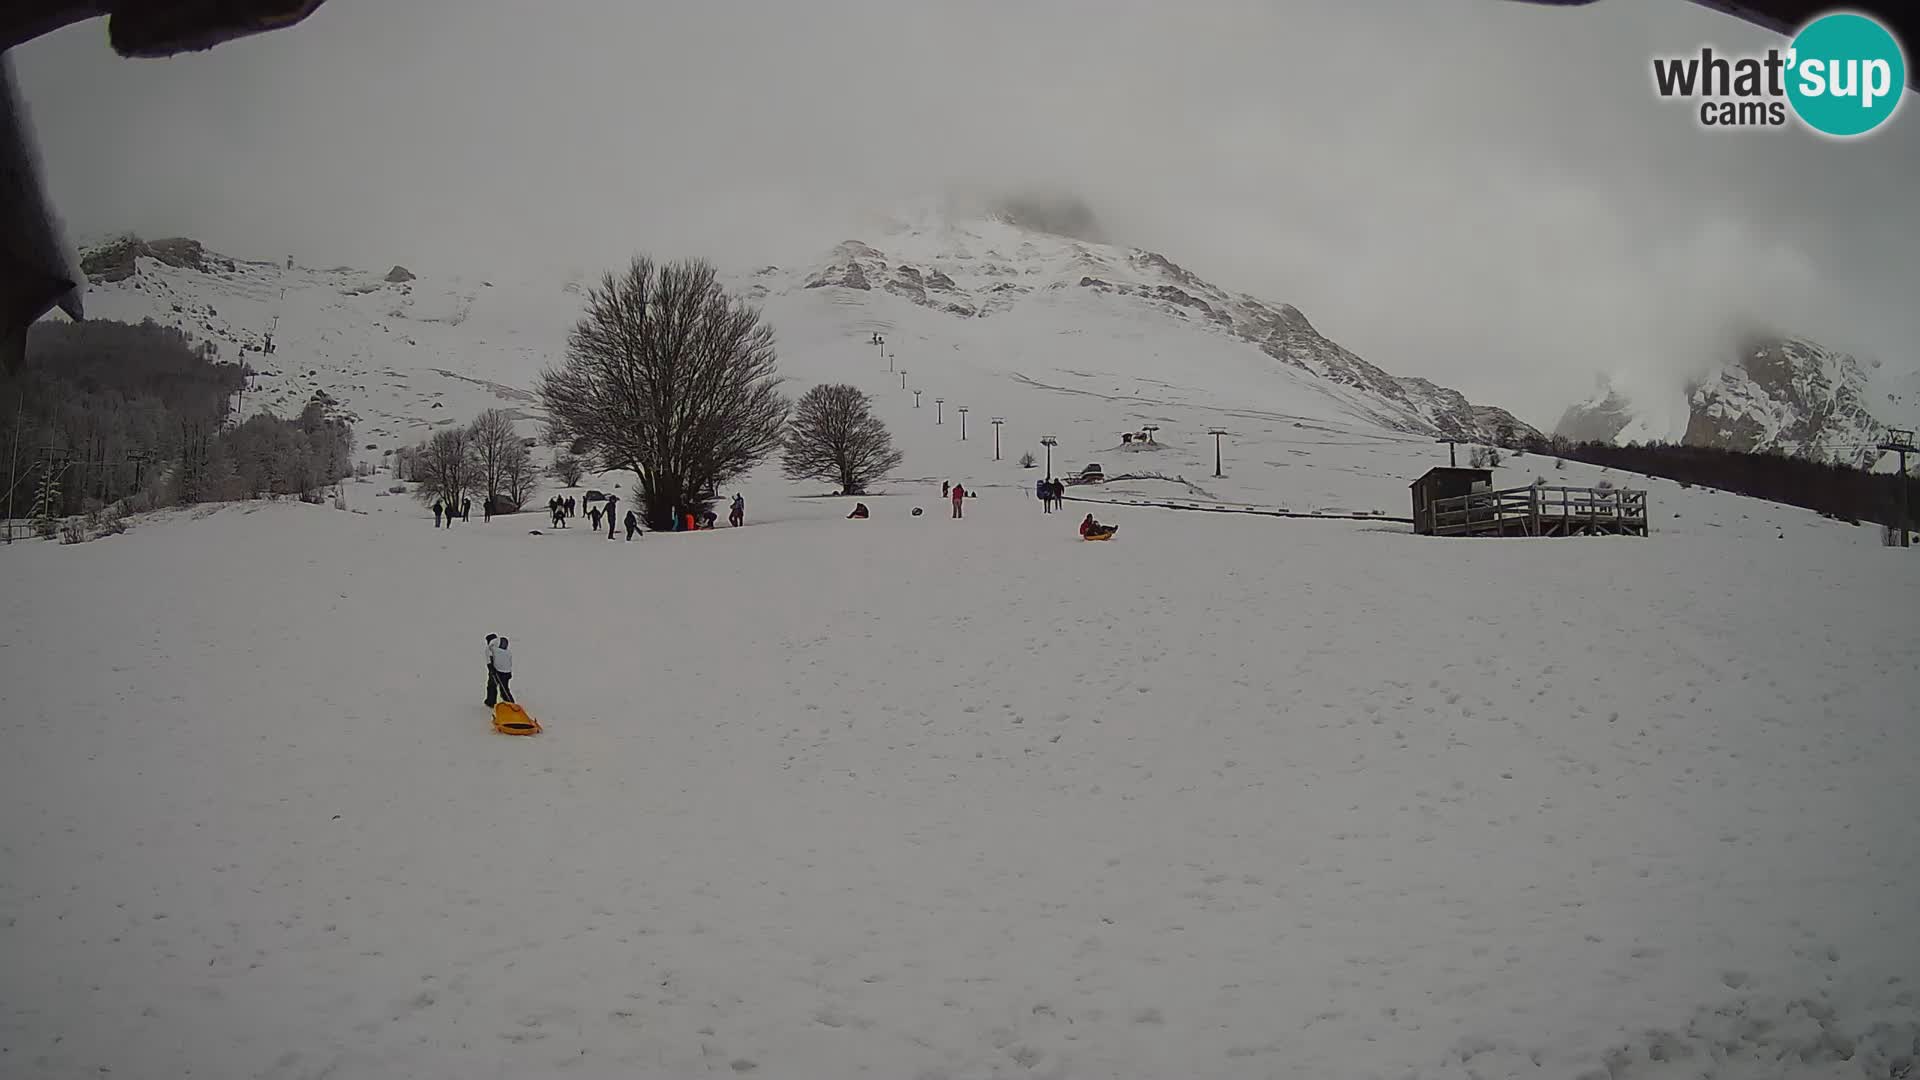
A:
(859, 511)
(1093, 530)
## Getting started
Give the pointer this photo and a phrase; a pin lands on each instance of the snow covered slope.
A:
(911, 797)
(1791, 394)
(987, 268)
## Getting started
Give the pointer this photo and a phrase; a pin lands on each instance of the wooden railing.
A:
(1541, 511)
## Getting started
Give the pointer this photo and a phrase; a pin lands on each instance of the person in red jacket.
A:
(1093, 530)
(959, 493)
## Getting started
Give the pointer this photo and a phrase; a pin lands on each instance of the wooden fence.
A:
(1543, 511)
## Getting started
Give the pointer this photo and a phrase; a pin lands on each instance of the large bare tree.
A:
(671, 377)
(835, 436)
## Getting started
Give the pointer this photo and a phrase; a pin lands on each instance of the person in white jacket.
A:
(499, 669)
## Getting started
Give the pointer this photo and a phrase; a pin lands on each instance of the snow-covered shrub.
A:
(74, 531)
(397, 489)
(568, 469)
(1027, 461)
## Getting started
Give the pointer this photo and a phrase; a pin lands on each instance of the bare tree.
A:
(835, 436)
(567, 469)
(671, 377)
(493, 443)
(518, 478)
(444, 467)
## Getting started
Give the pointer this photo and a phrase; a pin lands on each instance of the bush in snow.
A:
(1027, 461)
(568, 469)
(835, 436)
(74, 531)
(1483, 457)
(1559, 463)
(671, 377)
(444, 467)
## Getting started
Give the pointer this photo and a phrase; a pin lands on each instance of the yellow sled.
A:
(1107, 535)
(511, 719)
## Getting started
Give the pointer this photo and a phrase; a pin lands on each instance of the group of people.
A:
(450, 513)
(1051, 493)
(560, 509)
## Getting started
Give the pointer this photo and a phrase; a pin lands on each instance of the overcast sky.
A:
(1483, 193)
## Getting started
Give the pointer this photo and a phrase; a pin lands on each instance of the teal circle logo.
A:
(1846, 74)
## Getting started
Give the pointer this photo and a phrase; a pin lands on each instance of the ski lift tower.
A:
(1900, 441)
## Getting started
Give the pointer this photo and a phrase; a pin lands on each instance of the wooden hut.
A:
(1443, 483)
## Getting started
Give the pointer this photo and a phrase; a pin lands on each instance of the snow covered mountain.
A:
(1015, 309)
(980, 269)
(1788, 393)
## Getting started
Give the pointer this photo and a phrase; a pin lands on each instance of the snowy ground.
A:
(917, 798)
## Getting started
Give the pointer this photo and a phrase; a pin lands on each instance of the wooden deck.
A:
(1543, 511)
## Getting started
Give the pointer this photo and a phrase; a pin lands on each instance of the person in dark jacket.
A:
(570, 510)
(611, 502)
(593, 515)
(436, 514)
(466, 509)
(859, 510)
(633, 524)
(959, 493)
(737, 515)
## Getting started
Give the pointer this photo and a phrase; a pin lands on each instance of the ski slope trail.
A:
(922, 798)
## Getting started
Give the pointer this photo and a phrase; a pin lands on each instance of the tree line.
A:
(105, 413)
(1840, 491)
(486, 459)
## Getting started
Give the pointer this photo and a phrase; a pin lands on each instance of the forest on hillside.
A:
(1839, 491)
(104, 413)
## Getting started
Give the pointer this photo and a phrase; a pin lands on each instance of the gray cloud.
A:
(1485, 194)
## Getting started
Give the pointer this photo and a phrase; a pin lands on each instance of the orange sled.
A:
(511, 719)
(1105, 534)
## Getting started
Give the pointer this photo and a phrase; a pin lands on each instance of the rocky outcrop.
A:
(1792, 395)
(1786, 394)
(118, 259)
(1600, 418)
